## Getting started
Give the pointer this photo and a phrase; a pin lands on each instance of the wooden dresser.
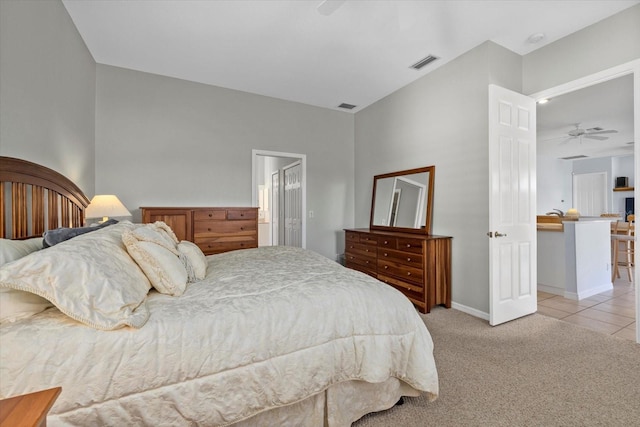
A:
(214, 230)
(417, 265)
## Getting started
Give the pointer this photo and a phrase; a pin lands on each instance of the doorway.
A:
(279, 191)
(631, 68)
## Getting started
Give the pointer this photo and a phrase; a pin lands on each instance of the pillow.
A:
(11, 250)
(53, 237)
(155, 252)
(90, 278)
(14, 304)
(196, 261)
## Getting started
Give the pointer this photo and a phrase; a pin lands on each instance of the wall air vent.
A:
(424, 61)
(579, 156)
(347, 106)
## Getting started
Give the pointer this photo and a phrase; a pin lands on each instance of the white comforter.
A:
(266, 328)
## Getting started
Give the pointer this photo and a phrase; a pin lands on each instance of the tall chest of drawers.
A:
(213, 229)
(417, 265)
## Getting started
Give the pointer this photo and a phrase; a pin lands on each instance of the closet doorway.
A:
(279, 191)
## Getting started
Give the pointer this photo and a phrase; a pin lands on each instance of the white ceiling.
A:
(287, 49)
(607, 105)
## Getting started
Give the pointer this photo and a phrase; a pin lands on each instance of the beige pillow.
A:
(15, 305)
(11, 250)
(196, 261)
(157, 255)
(91, 278)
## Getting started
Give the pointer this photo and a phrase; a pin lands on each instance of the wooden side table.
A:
(28, 410)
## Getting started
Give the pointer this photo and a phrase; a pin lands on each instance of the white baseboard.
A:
(551, 289)
(589, 293)
(469, 310)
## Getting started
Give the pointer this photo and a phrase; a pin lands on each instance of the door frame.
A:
(254, 186)
(632, 67)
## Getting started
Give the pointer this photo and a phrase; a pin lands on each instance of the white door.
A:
(275, 208)
(292, 204)
(590, 193)
(512, 219)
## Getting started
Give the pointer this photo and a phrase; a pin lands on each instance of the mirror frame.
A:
(429, 200)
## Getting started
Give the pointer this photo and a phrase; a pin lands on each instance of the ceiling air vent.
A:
(579, 156)
(347, 106)
(424, 61)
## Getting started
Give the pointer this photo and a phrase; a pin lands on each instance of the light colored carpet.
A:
(534, 371)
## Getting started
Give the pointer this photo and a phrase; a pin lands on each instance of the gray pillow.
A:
(59, 235)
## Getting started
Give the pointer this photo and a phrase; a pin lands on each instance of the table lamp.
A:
(105, 206)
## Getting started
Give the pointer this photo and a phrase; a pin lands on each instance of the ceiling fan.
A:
(590, 133)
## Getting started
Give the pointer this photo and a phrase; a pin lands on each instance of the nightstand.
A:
(28, 410)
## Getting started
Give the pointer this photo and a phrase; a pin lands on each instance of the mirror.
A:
(402, 201)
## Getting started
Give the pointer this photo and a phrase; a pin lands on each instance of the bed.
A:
(269, 336)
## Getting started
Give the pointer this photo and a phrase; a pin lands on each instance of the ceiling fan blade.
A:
(567, 140)
(601, 131)
(599, 138)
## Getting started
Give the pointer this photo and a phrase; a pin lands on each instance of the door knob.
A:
(498, 234)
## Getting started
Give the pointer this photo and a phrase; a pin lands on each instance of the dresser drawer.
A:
(361, 249)
(410, 290)
(210, 214)
(224, 244)
(368, 262)
(215, 228)
(387, 242)
(410, 245)
(233, 214)
(352, 237)
(401, 271)
(406, 258)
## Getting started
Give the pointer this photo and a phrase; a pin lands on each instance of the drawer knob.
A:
(408, 273)
(408, 245)
(386, 266)
(386, 242)
(208, 229)
(385, 254)
(241, 244)
(408, 259)
(241, 228)
(241, 214)
(210, 215)
(367, 262)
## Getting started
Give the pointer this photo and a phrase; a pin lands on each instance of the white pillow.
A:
(195, 258)
(14, 304)
(11, 250)
(90, 278)
(158, 257)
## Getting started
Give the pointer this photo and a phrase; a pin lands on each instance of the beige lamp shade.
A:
(105, 206)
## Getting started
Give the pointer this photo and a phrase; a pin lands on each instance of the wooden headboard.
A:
(34, 198)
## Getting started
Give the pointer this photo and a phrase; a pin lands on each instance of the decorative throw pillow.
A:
(196, 261)
(15, 304)
(152, 247)
(90, 278)
(53, 237)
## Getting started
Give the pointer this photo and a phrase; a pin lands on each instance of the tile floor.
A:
(612, 312)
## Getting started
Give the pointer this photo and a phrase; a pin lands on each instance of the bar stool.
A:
(623, 248)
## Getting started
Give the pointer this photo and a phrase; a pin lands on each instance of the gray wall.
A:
(47, 90)
(163, 141)
(605, 44)
(442, 120)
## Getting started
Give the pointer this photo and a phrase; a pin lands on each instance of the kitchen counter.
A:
(574, 257)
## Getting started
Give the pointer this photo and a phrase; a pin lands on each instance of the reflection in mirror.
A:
(402, 200)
